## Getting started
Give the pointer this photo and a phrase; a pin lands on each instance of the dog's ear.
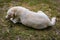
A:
(14, 13)
(14, 16)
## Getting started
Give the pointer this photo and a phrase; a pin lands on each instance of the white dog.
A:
(37, 20)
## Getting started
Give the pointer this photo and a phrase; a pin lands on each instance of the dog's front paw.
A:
(13, 20)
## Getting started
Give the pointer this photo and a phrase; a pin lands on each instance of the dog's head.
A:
(11, 14)
(14, 12)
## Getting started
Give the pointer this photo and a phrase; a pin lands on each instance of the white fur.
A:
(53, 21)
(38, 20)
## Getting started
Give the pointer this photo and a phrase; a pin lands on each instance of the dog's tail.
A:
(53, 21)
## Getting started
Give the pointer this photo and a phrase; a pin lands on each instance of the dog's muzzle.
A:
(7, 17)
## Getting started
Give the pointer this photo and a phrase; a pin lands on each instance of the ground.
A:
(11, 31)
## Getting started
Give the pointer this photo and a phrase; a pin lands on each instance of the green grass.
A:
(10, 31)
